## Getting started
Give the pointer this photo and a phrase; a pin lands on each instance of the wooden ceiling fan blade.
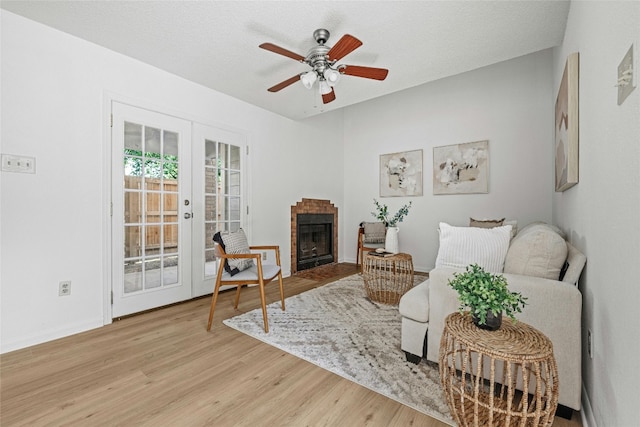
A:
(366, 72)
(281, 51)
(328, 97)
(345, 46)
(284, 84)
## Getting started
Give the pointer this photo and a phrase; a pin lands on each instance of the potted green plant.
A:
(487, 296)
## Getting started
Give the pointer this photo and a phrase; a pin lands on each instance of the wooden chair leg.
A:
(264, 307)
(281, 289)
(214, 300)
(359, 257)
(238, 288)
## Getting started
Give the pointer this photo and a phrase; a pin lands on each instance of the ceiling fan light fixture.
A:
(324, 87)
(331, 76)
(323, 61)
(308, 79)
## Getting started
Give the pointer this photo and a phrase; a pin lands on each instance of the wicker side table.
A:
(475, 362)
(386, 279)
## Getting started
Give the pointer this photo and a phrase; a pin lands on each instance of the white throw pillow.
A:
(462, 246)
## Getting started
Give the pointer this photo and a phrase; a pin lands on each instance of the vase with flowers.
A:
(391, 222)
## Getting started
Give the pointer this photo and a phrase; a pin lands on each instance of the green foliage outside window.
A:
(155, 165)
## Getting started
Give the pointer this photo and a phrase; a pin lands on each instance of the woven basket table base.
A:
(482, 372)
(386, 279)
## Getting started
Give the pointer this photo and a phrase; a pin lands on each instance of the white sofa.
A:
(532, 268)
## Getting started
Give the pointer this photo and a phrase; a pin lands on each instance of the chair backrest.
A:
(218, 250)
(373, 232)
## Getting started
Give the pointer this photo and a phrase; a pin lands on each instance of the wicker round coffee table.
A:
(515, 357)
(386, 279)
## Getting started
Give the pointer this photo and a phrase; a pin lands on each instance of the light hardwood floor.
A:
(162, 368)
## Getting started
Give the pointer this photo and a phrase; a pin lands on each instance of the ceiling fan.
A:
(323, 61)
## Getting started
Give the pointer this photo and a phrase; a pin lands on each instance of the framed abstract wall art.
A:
(566, 130)
(461, 168)
(401, 174)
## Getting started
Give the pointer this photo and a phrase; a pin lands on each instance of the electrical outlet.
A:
(264, 256)
(64, 288)
(590, 343)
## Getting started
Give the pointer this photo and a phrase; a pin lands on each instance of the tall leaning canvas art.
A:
(566, 131)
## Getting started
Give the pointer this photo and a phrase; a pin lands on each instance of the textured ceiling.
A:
(215, 43)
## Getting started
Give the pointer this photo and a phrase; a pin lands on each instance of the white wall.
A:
(53, 91)
(510, 104)
(601, 212)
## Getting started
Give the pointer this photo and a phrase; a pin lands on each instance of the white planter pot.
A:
(391, 242)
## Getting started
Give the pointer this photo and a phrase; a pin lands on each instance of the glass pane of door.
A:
(223, 194)
(151, 207)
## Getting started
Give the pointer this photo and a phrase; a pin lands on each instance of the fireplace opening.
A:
(314, 240)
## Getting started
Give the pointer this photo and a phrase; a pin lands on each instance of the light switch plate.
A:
(22, 164)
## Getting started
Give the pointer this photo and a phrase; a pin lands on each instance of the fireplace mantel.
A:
(312, 206)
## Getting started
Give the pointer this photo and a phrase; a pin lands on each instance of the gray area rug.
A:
(338, 328)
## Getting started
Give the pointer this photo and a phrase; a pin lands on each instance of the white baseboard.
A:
(49, 335)
(586, 414)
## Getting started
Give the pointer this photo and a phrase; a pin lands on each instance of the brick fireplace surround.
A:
(312, 206)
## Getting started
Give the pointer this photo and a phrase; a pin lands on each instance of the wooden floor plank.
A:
(163, 368)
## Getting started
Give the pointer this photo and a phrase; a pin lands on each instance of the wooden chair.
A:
(364, 247)
(259, 275)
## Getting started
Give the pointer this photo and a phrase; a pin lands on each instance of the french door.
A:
(151, 209)
(175, 183)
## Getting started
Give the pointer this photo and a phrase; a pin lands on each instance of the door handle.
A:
(187, 215)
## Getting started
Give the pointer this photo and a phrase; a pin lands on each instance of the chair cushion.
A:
(538, 251)
(462, 246)
(234, 242)
(374, 232)
(269, 271)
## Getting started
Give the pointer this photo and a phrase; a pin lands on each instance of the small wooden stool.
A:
(386, 279)
(480, 371)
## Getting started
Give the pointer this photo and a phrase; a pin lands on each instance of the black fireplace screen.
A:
(314, 240)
